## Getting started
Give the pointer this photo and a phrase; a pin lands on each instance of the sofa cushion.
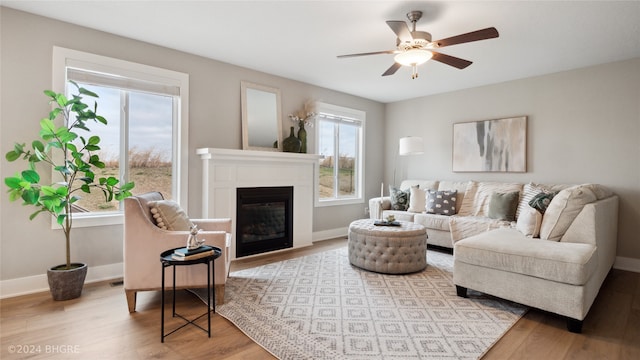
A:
(462, 227)
(417, 199)
(399, 198)
(441, 202)
(459, 186)
(478, 195)
(529, 222)
(563, 209)
(509, 250)
(503, 206)
(168, 215)
(433, 221)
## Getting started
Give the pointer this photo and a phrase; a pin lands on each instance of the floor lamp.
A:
(409, 145)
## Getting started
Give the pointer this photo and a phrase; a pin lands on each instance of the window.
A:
(145, 138)
(339, 140)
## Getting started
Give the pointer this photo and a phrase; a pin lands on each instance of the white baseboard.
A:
(39, 283)
(329, 234)
(628, 264)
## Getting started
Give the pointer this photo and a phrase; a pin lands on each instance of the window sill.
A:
(98, 219)
(338, 202)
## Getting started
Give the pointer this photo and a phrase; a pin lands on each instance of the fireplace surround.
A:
(226, 170)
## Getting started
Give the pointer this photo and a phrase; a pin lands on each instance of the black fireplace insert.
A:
(264, 219)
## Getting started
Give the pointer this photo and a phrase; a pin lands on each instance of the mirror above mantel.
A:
(261, 117)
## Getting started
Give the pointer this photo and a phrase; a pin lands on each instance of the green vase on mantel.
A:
(292, 143)
(302, 135)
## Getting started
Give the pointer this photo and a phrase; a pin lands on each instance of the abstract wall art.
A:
(490, 145)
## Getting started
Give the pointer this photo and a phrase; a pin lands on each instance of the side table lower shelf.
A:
(167, 260)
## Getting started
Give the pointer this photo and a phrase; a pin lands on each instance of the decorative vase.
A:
(66, 284)
(292, 143)
(302, 135)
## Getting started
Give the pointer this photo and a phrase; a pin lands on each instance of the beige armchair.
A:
(144, 241)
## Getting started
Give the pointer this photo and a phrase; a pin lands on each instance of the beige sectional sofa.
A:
(555, 262)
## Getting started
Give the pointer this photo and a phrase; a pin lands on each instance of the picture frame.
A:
(498, 145)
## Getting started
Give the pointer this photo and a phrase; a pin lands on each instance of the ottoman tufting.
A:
(387, 249)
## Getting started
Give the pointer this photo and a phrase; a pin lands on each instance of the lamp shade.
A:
(411, 145)
(413, 57)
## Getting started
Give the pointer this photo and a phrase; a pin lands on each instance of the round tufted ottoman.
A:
(388, 249)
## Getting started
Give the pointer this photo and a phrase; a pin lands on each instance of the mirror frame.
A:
(244, 85)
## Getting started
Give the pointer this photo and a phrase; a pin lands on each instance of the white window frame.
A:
(359, 116)
(67, 58)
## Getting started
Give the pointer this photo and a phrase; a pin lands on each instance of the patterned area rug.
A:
(321, 307)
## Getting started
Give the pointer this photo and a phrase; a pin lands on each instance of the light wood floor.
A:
(99, 326)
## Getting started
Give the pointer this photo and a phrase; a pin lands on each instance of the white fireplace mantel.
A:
(226, 170)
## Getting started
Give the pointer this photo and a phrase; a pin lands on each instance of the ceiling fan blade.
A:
(368, 53)
(401, 30)
(477, 35)
(392, 70)
(451, 60)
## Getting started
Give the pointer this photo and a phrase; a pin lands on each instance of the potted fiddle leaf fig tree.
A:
(74, 160)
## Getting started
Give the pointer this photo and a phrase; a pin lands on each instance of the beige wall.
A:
(583, 126)
(29, 247)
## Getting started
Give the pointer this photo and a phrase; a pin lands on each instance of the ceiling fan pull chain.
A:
(414, 74)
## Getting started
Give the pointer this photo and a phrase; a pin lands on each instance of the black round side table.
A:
(167, 259)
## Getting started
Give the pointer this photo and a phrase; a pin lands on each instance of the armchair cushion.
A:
(168, 215)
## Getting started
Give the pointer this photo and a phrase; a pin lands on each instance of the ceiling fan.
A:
(415, 47)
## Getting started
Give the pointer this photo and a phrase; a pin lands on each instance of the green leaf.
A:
(54, 113)
(61, 100)
(50, 94)
(12, 155)
(31, 196)
(31, 176)
(111, 181)
(85, 188)
(13, 182)
(128, 186)
(94, 140)
(37, 145)
(32, 216)
(60, 219)
(62, 191)
(84, 91)
(101, 119)
(47, 127)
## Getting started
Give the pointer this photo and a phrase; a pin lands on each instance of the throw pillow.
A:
(503, 206)
(564, 208)
(441, 202)
(528, 192)
(529, 222)
(417, 199)
(399, 198)
(168, 215)
(541, 201)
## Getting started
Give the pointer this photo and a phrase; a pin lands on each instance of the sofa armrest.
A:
(377, 205)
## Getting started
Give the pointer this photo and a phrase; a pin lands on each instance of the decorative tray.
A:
(386, 223)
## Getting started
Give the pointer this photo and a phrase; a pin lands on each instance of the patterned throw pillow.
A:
(541, 201)
(399, 198)
(441, 202)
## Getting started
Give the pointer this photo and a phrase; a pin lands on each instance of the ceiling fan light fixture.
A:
(413, 57)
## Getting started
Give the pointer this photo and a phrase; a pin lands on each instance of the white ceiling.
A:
(300, 39)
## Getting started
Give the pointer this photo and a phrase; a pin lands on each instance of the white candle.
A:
(382, 189)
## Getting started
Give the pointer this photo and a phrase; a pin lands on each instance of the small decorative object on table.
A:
(390, 221)
(192, 239)
(302, 118)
